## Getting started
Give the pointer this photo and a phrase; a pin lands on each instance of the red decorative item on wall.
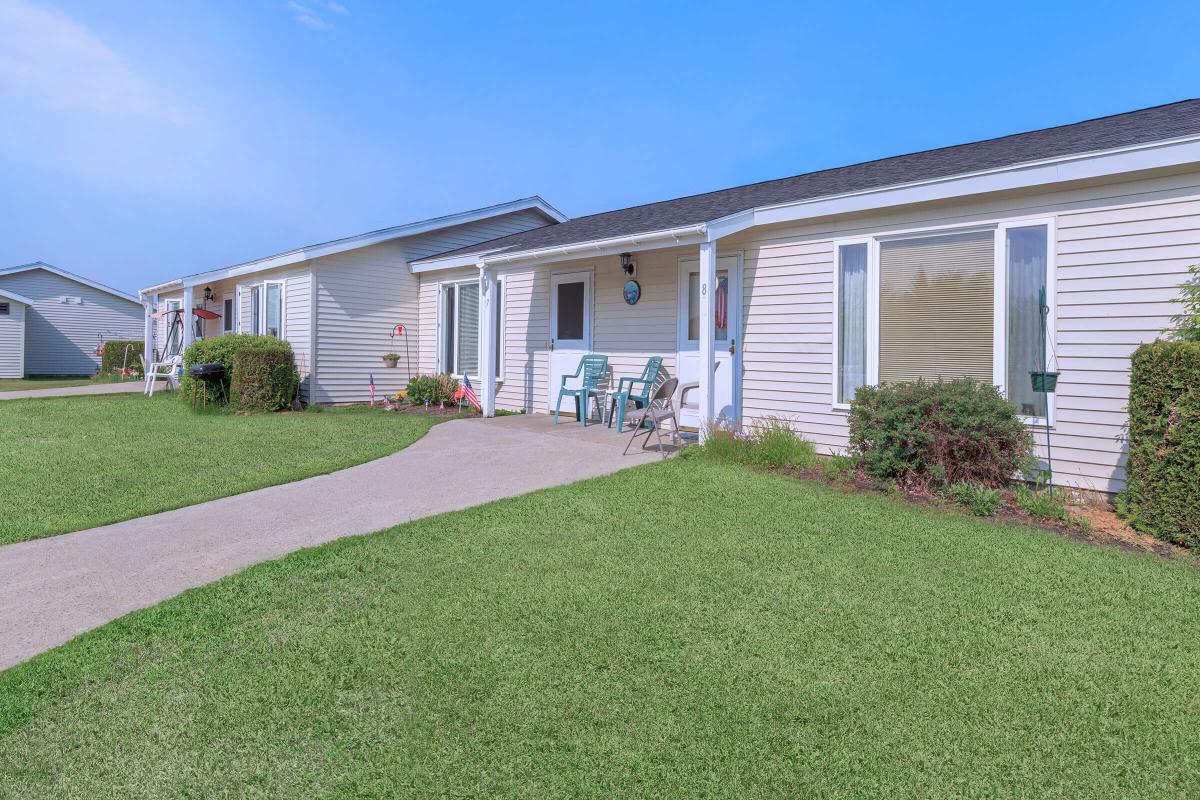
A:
(721, 313)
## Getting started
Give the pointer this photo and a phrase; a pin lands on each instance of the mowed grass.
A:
(677, 630)
(77, 462)
(21, 384)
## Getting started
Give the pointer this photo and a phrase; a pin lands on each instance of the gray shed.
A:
(66, 317)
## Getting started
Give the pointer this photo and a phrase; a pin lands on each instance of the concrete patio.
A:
(55, 588)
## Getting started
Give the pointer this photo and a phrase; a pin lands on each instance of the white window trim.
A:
(229, 324)
(262, 309)
(440, 361)
(999, 300)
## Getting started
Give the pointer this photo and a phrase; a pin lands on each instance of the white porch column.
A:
(708, 283)
(149, 305)
(487, 339)
(189, 327)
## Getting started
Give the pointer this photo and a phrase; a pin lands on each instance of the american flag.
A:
(467, 392)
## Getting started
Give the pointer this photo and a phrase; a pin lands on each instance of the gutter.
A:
(597, 247)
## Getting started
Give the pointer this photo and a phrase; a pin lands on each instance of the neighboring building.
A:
(12, 334)
(793, 292)
(66, 318)
(337, 303)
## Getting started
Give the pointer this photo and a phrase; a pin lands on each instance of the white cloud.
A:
(311, 13)
(49, 57)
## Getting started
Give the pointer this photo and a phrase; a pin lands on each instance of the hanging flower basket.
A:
(390, 360)
(1044, 381)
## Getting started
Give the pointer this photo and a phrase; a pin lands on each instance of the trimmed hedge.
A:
(1162, 495)
(264, 379)
(222, 350)
(114, 355)
(938, 434)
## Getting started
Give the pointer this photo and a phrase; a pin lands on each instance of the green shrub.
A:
(264, 379)
(767, 443)
(431, 389)
(1162, 494)
(938, 434)
(1187, 324)
(982, 501)
(838, 468)
(1041, 504)
(222, 350)
(773, 443)
(113, 356)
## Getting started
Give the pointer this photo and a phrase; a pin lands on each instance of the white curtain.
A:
(852, 320)
(1026, 281)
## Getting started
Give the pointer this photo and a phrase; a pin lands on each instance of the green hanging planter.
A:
(1044, 381)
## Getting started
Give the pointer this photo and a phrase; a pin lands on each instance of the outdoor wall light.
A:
(208, 294)
(628, 264)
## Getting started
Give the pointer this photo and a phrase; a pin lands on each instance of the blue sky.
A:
(144, 140)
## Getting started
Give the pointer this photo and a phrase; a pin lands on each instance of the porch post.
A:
(487, 339)
(149, 306)
(708, 283)
(189, 327)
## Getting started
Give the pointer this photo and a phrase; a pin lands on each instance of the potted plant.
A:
(390, 359)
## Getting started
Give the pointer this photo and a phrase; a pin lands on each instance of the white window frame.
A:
(228, 321)
(262, 310)
(999, 230)
(442, 286)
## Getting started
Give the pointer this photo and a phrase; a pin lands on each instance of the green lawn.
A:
(84, 461)
(21, 384)
(676, 630)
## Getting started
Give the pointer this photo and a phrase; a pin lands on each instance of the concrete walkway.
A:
(56, 588)
(68, 391)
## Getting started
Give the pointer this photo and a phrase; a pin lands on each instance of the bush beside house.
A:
(936, 435)
(113, 356)
(264, 379)
(224, 350)
(1162, 495)
(431, 389)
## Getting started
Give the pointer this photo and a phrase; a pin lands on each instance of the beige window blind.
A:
(936, 298)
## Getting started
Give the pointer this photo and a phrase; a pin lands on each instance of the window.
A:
(721, 332)
(1026, 250)
(852, 319)
(227, 312)
(936, 307)
(460, 328)
(4, 310)
(945, 305)
(273, 309)
(256, 310)
(571, 297)
(174, 330)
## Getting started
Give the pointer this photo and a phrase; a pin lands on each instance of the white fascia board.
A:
(159, 288)
(1020, 176)
(19, 298)
(452, 262)
(71, 276)
(374, 237)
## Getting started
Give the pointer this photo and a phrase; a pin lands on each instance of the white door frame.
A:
(580, 347)
(732, 262)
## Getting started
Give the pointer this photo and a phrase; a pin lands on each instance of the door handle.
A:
(732, 346)
(552, 345)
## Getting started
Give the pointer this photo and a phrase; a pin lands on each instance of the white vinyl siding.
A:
(12, 339)
(61, 338)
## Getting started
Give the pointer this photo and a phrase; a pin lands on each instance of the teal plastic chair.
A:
(626, 391)
(594, 370)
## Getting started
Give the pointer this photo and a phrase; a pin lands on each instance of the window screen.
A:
(570, 311)
(467, 330)
(852, 320)
(1026, 253)
(935, 307)
(4, 309)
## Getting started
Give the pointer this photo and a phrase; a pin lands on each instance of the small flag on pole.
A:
(371, 376)
(467, 392)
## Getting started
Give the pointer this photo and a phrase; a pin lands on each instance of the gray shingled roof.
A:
(1121, 130)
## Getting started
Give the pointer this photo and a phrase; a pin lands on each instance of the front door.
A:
(570, 329)
(727, 316)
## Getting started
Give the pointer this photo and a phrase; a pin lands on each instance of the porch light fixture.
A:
(208, 295)
(628, 264)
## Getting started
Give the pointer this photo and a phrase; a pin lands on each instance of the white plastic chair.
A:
(168, 370)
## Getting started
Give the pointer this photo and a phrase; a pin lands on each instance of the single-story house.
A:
(782, 298)
(338, 303)
(62, 319)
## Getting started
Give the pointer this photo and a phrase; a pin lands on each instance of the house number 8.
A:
(704, 288)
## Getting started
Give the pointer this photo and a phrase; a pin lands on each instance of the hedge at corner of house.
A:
(223, 350)
(113, 356)
(936, 434)
(264, 379)
(1162, 490)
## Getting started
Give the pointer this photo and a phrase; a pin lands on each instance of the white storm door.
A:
(727, 306)
(570, 329)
